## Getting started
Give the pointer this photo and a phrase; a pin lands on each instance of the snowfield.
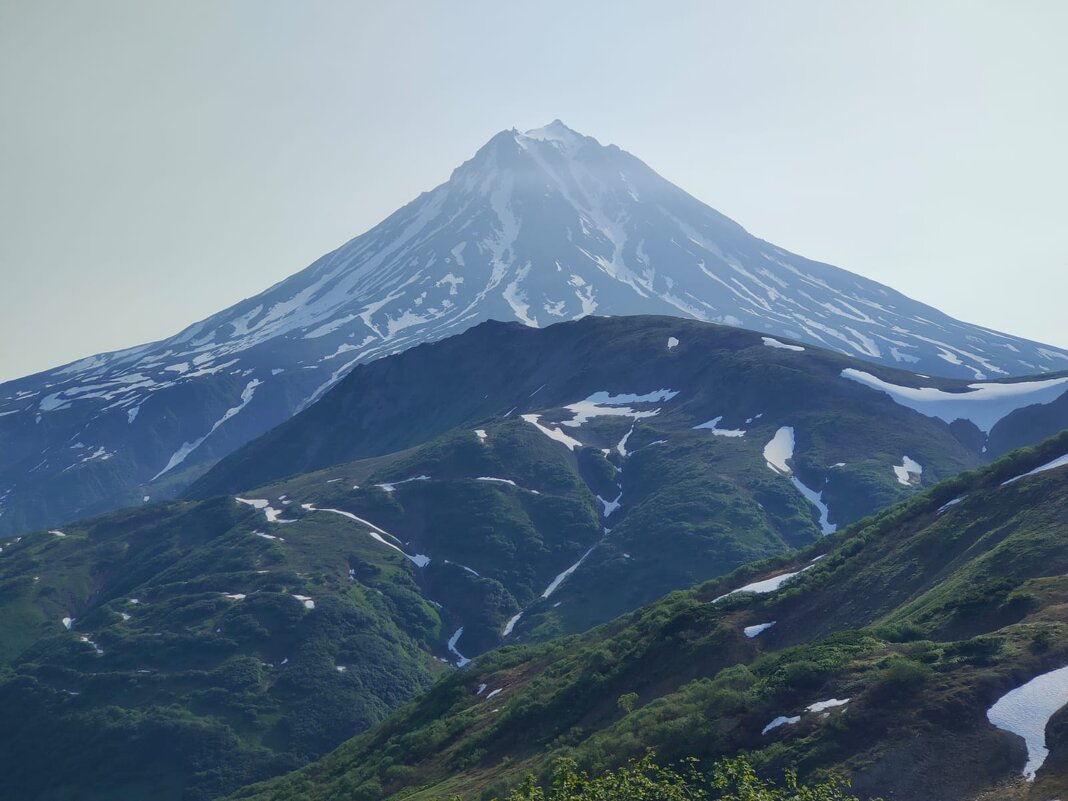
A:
(771, 342)
(604, 404)
(777, 454)
(985, 405)
(908, 472)
(819, 706)
(374, 532)
(816, 499)
(781, 721)
(1053, 464)
(780, 450)
(461, 660)
(1026, 710)
(758, 629)
(273, 515)
(764, 585)
(713, 426)
(552, 433)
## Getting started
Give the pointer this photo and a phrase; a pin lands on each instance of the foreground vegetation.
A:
(645, 780)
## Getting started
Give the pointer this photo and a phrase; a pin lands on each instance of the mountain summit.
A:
(539, 226)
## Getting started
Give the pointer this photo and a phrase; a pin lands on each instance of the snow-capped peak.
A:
(564, 138)
(539, 227)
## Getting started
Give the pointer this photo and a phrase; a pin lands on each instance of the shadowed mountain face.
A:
(727, 379)
(539, 227)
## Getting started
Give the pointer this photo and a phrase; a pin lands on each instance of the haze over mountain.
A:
(541, 226)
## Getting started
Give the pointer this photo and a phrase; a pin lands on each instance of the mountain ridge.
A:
(538, 227)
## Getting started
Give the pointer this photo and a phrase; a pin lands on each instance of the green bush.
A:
(645, 780)
(899, 678)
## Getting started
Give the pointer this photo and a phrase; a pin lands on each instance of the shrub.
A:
(645, 780)
(899, 678)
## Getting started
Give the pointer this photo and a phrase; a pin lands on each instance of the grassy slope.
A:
(921, 619)
(194, 693)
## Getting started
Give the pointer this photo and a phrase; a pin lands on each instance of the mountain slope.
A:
(252, 637)
(643, 467)
(899, 651)
(741, 378)
(540, 226)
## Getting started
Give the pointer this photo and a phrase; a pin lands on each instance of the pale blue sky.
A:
(160, 161)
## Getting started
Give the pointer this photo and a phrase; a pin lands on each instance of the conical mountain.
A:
(540, 227)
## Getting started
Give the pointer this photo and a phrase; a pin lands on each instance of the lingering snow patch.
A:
(498, 480)
(601, 404)
(673, 343)
(953, 502)
(57, 533)
(621, 446)
(187, 448)
(771, 342)
(375, 533)
(309, 603)
(511, 624)
(780, 450)
(84, 638)
(908, 472)
(470, 570)
(67, 622)
(461, 660)
(1060, 461)
(234, 596)
(984, 405)
(481, 689)
(1027, 710)
(830, 703)
(758, 629)
(556, 582)
(481, 434)
(713, 426)
(764, 585)
(552, 433)
(272, 514)
(392, 486)
(781, 721)
(516, 298)
(492, 693)
(816, 499)
(610, 506)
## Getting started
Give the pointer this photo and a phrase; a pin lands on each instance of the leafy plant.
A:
(645, 780)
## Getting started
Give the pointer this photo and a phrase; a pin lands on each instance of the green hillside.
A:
(922, 617)
(536, 488)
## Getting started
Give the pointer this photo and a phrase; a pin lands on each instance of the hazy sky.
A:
(160, 161)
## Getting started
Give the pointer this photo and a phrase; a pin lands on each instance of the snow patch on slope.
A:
(984, 404)
(1027, 710)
